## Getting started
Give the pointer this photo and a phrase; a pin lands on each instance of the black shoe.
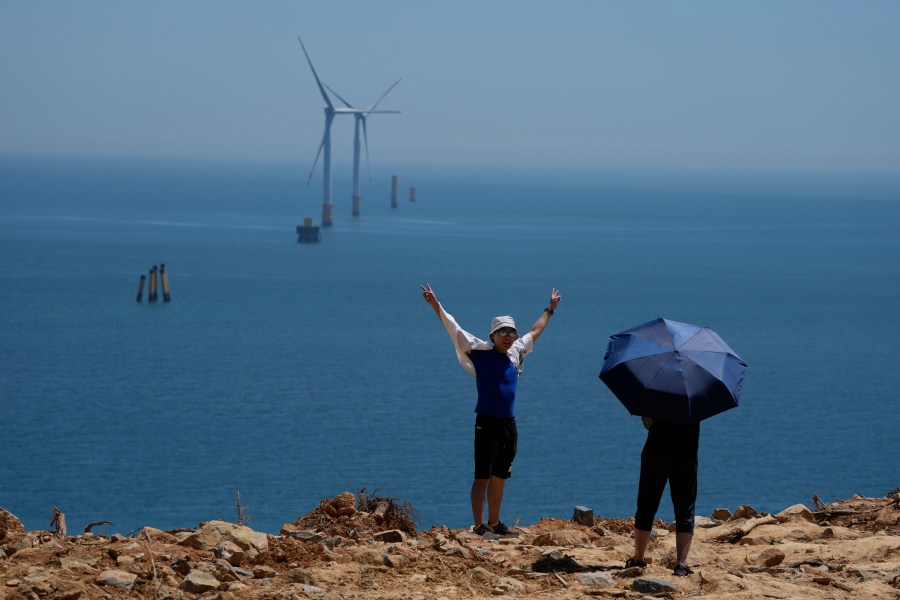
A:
(682, 571)
(481, 529)
(634, 562)
(502, 530)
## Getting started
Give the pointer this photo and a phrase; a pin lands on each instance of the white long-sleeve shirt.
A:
(464, 342)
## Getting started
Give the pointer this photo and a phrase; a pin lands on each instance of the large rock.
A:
(213, 533)
(11, 528)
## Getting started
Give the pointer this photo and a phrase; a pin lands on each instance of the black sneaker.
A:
(481, 529)
(501, 529)
(682, 571)
(634, 562)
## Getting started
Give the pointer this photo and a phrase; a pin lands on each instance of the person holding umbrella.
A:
(496, 366)
(670, 454)
(673, 375)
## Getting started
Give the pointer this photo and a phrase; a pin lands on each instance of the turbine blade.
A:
(326, 135)
(347, 104)
(316, 161)
(316, 75)
(385, 94)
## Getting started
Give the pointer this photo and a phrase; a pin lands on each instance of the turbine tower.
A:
(330, 111)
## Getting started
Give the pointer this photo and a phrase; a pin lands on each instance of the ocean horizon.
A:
(293, 372)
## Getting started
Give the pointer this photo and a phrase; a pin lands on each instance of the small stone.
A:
(652, 586)
(157, 535)
(116, 578)
(771, 557)
(300, 576)
(392, 536)
(745, 512)
(229, 551)
(370, 557)
(311, 590)
(304, 535)
(481, 574)
(722, 514)
(598, 579)
(395, 561)
(199, 582)
(264, 572)
(794, 512)
(242, 572)
(182, 566)
(583, 516)
(707, 523)
(508, 584)
(555, 560)
(561, 537)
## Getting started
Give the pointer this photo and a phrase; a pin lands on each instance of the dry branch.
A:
(733, 535)
(87, 529)
(58, 520)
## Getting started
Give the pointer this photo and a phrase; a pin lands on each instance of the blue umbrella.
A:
(673, 371)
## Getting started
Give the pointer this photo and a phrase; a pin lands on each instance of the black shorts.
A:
(495, 446)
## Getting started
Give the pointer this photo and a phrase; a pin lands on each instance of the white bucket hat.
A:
(501, 322)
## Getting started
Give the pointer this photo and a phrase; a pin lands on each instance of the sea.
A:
(283, 373)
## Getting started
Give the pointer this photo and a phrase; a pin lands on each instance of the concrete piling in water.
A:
(151, 295)
(356, 202)
(328, 214)
(412, 194)
(140, 294)
(164, 279)
(394, 186)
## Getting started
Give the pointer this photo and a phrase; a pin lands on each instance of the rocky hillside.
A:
(364, 547)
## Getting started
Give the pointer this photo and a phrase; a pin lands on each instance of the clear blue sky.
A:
(806, 84)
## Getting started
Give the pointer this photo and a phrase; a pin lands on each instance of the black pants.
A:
(670, 454)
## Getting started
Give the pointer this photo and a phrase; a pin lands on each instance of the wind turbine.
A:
(330, 111)
(361, 114)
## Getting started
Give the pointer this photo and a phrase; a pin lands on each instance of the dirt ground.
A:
(358, 546)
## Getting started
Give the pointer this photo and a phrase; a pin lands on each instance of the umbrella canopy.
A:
(673, 371)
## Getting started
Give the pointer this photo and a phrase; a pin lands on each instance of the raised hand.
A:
(555, 297)
(429, 295)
